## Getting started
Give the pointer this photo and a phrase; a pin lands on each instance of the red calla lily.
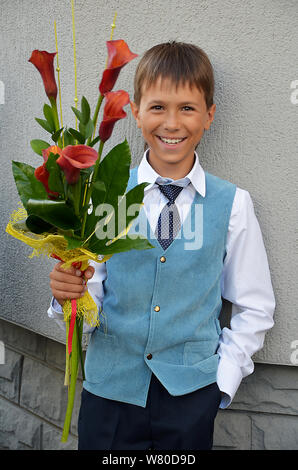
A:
(113, 111)
(75, 157)
(42, 175)
(52, 149)
(118, 56)
(44, 62)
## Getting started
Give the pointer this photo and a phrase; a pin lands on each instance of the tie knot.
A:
(171, 191)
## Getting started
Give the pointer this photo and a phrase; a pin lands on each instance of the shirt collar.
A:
(196, 176)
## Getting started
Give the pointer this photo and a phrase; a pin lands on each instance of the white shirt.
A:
(245, 281)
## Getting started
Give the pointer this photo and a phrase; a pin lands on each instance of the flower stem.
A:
(89, 191)
(99, 101)
(67, 362)
(56, 118)
(79, 325)
(76, 193)
(72, 387)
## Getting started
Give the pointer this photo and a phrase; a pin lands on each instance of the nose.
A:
(172, 122)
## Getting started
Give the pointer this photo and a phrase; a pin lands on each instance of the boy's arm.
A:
(246, 283)
(95, 288)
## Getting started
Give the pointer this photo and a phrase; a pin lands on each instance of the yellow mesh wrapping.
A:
(48, 244)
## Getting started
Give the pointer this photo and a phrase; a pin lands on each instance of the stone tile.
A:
(274, 432)
(43, 392)
(51, 439)
(22, 340)
(270, 389)
(55, 354)
(232, 431)
(19, 430)
(10, 374)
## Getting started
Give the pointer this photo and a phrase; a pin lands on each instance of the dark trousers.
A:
(168, 422)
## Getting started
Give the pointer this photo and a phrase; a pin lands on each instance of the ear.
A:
(135, 112)
(210, 116)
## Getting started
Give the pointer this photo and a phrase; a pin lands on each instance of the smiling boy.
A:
(167, 112)
(160, 367)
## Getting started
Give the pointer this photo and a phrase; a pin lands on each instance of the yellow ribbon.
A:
(48, 244)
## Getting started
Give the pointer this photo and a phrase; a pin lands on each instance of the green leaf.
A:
(89, 129)
(85, 177)
(140, 243)
(134, 196)
(56, 135)
(73, 243)
(45, 125)
(48, 114)
(82, 128)
(39, 145)
(94, 141)
(68, 138)
(114, 172)
(85, 110)
(57, 213)
(77, 135)
(125, 244)
(77, 113)
(27, 185)
(55, 181)
(99, 185)
(86, 172)
(37, 225)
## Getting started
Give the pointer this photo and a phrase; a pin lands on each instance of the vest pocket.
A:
(100, 357)
(196, 352)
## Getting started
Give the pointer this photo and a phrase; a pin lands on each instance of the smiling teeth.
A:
(171, 141)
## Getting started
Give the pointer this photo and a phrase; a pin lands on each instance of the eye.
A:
(157, 107)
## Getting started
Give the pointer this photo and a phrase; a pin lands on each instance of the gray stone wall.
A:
(33, 397)
(263, 415)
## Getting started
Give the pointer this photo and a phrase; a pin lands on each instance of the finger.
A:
(66, 287)
(89, 272)
(59, 268)
(65, 295)
(61, 276)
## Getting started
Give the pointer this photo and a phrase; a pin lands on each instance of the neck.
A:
(174, 170)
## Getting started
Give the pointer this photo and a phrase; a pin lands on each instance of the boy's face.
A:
(165, 113)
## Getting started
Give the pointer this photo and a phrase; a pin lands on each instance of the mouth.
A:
(171, 142)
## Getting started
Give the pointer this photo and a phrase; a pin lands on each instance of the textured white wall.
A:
(252, 142)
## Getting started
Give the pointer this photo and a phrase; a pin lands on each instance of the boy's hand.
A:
(69, 283)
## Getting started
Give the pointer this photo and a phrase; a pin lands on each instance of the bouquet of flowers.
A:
(72, 204)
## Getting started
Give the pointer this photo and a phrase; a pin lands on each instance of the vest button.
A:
(157, 308)
(162, 259)
(149, 356)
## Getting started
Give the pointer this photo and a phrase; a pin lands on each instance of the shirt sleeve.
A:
(246, 283)
(95, 288)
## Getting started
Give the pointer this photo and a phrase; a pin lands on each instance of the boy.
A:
(159, 367)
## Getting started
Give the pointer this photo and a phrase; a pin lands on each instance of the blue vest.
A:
(161, 308)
